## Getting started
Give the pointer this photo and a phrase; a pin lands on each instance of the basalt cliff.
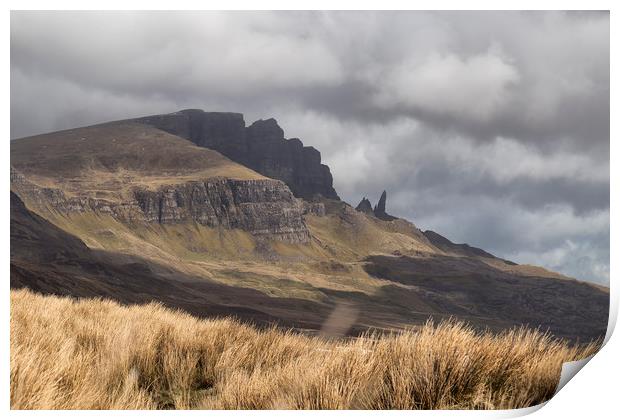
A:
(260, 146)
(262, 207)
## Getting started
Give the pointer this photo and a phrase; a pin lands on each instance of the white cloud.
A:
(506, 160)
(554, 236)
(207, 52)
(474, 87)
(583, 260)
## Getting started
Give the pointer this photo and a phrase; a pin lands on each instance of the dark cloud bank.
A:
(490, 127)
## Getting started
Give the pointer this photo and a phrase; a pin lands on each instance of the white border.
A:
(592, 394)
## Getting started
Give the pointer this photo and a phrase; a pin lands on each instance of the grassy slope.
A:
(229, 256)
(106, 160)
(94, 354)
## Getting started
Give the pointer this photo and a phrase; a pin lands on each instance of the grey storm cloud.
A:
(489, 127)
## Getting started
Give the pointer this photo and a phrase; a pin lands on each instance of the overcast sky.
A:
(491, 128)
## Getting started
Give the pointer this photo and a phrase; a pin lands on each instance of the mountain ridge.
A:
(228, 236)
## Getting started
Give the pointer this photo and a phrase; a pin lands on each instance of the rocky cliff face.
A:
(380, 208)
(224, 132)
(379, 211)
(261, 147)
(262, 207)
(265, 207)
(364, 206)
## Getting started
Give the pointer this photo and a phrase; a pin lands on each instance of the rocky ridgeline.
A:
(263, 207)
(379, 211)
(261, 147)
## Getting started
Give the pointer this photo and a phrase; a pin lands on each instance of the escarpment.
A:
(137, 173)
(263, 207)
(261, 147)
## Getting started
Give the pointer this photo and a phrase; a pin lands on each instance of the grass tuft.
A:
(97, 354)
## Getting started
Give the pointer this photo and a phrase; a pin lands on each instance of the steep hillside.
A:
(132, 212)
(140, 174)
(114, 155)
(47, 259)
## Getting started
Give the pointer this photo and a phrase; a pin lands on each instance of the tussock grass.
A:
(97, 354)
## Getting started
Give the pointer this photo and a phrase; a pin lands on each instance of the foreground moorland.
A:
(96, 354)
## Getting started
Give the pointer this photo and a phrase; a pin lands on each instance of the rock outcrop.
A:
(380, 207)
(264, 207)
(379, 211)
(314, 208)
(261, 147)
(364, 206)
(224, 132)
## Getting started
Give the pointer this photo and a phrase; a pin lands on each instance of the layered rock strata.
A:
(262, 207)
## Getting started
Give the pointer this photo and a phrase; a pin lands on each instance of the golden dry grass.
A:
(97, 354)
